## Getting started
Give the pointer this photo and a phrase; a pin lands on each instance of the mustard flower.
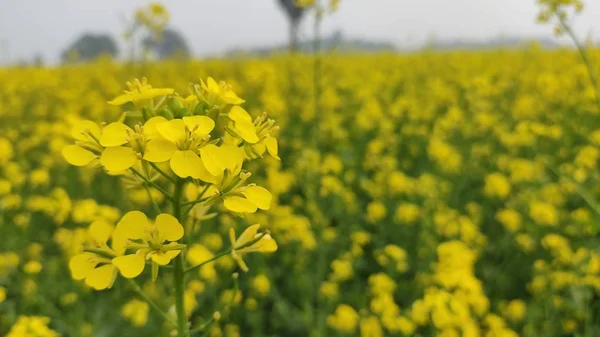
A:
(217, 94)
(140, 93)
(95, 265)
(250, 242)
(184, 143)
(151, 241)
(257, 134)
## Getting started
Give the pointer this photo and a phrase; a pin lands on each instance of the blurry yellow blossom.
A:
(261, 284)
(344, 319)
(136, 311)
(497, 185)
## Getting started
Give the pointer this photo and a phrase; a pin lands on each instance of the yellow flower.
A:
(95, 265)
(543, 213)
(329, 290)
(247, 199)
(32, 326)
(218, 94)
(510, 219)
(515, 310)
(32, 267)
(140, 93)
(2, 294)
(257, 135)
(185, 144)
(376, 211)
(261, 284)
(341, 270)
(136, 312)
(496, 185)
(150, 242)
(6, 150)
(344, 320)
(106, 144)
(370, 327)
(247, 243)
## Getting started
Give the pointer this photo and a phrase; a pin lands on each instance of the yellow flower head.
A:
(95, 265)
(250, 242)
(140, 93)
(116, 146)
(217, 94)
(257, 135)
(152, 241)
(184, 143)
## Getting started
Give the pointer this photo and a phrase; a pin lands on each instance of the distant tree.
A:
(294, 15)
(90, 46)
(171, 44)
(38, 60)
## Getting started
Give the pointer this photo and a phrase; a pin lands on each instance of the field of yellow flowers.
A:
(433, 194)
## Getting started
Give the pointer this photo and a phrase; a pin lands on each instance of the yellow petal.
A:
(238, 258)
(78, 156)
(120, 100)
(119, 241)
(272, 147)
(102, 277)
(247, 130)
(239, 204)
(168, 227)
(173, 130)
(118, 158)
(265, 245)
(82, 264)
(259, 195)
(156, 92)
(237, 113)
(186, 164)
(232, 156)
(81, 130)
(115, 134)
(230, 97)
(159, 150)
(212, 85)
(247, 236)
(163, 258)
(133, 225)
(200, 125)
(205, 176)
(130, 265)
(213, 159)
(150, 130)
(100, 231)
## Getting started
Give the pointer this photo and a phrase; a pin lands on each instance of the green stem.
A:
(179, 273)
(585, 57)
(194, 202)
(163, 173)
(147, 298)
(228, 251)
(214, 258)
(204, 327)
(154, 204)
(151, 183)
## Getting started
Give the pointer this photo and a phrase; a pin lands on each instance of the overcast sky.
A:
(28, 27)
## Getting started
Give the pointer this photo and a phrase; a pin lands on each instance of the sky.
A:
(46, 27)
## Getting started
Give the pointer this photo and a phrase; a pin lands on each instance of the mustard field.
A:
(427, 194)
